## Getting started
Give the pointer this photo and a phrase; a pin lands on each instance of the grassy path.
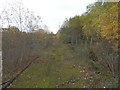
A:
(60, 66)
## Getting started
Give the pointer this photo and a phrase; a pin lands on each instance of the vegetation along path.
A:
(60, 66)
(83, 53)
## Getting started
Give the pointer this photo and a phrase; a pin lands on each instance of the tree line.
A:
(97, 28)
(19, 48)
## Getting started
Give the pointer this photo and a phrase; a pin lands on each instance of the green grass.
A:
(55, 66)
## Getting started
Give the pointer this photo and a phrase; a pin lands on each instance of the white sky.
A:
(54, 12)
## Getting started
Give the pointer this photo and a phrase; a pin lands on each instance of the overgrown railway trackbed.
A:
(9, 82)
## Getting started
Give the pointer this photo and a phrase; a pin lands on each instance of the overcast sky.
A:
(54, 12)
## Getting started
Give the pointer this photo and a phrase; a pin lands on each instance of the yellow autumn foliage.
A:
(108, 23)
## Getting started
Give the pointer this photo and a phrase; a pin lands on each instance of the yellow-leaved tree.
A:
(108, 23)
